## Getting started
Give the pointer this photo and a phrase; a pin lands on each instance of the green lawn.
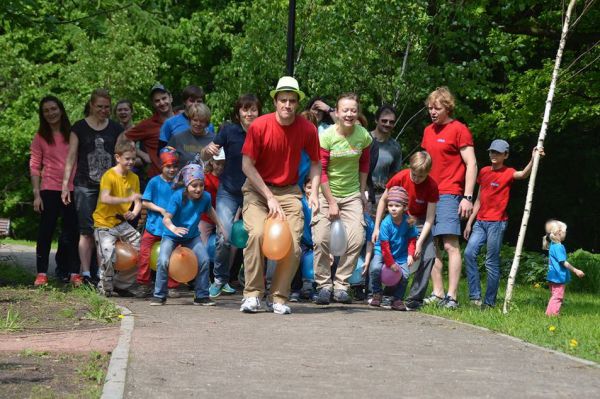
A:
(576, 331)
(24, 242)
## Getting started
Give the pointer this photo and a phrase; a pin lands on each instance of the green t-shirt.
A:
(344, 155)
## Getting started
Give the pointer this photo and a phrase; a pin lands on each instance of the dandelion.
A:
(536, 285)
(121, 316)
(573, 343)
(551, 328)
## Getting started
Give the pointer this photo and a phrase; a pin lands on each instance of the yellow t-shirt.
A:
(118, 185)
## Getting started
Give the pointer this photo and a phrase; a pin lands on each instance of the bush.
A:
(590, 264)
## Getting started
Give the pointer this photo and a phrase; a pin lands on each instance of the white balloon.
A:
(338, 240)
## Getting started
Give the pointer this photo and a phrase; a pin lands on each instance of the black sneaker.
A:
(156, 301)
(448, 303)
(140, 290)
(341, 296)
(91, 281)
(123, 293)
(323, 297)
(206, 301)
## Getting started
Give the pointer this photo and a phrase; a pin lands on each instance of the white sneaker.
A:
(281, 308)
(250, 305)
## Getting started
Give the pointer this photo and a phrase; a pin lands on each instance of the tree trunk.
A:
(536, 160)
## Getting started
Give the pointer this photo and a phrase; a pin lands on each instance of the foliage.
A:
(495, 56)
(11, 321)
(95, 368)
(590, 264)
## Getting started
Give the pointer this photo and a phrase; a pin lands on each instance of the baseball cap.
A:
(499, 146)
(158, 87)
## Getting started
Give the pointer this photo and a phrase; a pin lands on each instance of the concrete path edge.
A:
(516, 339)
(114, 383)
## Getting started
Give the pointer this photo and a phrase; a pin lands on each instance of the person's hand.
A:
(38, 204)
(579, 273)
(65, 195)
(410, 260)
(179, 231)
(321, 106)
(418, 250)
(395, 267)
(275, 209)
(375, 235)
(540, 150)
(467, 232)
(465, 208)
(334, 211)
(313, 203)
(129, 215)
(212, 149)
(365, 268)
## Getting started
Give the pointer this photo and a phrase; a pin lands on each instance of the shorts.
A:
(86, 200)
(447, 219)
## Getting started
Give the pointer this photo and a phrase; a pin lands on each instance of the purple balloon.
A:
(390, 277)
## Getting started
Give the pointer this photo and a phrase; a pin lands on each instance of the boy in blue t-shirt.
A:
(395, 248)
(155, 200)
(181, 218)
(302, 284)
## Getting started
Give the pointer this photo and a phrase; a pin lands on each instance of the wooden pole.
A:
(536, 160)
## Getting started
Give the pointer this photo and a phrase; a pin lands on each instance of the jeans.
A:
(167, 246)
(227, 206)
(375, 278)
(491, 234)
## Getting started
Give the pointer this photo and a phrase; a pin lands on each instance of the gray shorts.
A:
(447, 219)
(86, 200)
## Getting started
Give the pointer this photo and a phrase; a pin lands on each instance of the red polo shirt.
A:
(419, 195)
(494, 191)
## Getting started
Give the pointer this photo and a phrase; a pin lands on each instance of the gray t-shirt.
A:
(188, 145)
(389, 162)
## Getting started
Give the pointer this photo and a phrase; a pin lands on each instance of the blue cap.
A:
(499, 146)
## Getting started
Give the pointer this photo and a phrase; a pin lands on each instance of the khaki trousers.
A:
(254, 213)
(351, 214)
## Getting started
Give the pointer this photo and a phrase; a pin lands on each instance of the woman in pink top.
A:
(47, 164)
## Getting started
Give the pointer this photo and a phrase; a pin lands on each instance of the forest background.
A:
(496, 56)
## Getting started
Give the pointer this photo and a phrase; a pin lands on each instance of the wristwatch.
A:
(468, 198)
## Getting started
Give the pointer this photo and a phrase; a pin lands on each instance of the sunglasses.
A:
(388, 121)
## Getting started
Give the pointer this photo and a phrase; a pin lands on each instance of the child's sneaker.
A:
(281, 308)
(250, 304)
(341, 296)
(432, 299)
(227, 289)
(375, 300)
(386, 302)
(398, 304)
(476, 303)
(449, 303)
(173, 293)
(141, 290)
(215, 290)
(40, 279)
(323, 297)
(156, 301)
(76, 280)
(294, 297)
(206, 301)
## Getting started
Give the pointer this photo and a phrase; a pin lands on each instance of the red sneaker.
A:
(76, 280)
(40, 279)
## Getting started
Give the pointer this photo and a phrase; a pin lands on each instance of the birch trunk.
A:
(536, 161)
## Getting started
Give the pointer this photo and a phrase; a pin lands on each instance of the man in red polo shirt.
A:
(270, 159)
(148, 130)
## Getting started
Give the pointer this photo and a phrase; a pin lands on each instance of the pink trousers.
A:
(557, 293)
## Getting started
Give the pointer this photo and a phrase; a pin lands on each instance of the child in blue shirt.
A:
(395, 247)
(181, 219)
(558, 267)
(302, 284)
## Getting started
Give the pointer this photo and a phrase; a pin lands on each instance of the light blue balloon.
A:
(306, 264)
(356, 278)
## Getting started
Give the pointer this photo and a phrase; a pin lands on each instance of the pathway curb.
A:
(114, 383)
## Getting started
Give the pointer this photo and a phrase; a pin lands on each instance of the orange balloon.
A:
(126, 256)
(277, 239)
(183, 265)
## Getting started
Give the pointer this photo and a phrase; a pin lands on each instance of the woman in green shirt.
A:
(345, 163)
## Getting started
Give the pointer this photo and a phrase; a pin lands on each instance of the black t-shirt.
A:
(231, 137)
(95, 154)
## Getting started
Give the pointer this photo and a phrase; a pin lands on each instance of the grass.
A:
(574, 332)
(12, 321)
(14, 275)
(26, 243)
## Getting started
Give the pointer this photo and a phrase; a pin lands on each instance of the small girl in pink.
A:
(558, 267)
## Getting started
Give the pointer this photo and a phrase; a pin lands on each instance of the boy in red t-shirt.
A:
(490, 211)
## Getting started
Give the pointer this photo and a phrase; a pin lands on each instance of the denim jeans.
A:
(167, 246)
(491, 234)
(227, 206)
(375, 278)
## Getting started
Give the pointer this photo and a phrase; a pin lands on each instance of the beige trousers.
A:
(254, 213)
(351, 214)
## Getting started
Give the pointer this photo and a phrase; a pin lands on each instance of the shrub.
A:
(590, 264)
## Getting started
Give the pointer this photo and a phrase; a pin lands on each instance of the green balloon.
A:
(239, 235)
(154, 255)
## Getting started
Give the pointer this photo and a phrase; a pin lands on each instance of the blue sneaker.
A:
(227, 289)
(323, 297)
(215, 290)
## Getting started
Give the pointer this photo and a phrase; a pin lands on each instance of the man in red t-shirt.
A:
(148, 130)
(490, 211)
(423, 196)
(454, 168)
(270, 159)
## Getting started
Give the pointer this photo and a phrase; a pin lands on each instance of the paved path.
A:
(183, 351)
